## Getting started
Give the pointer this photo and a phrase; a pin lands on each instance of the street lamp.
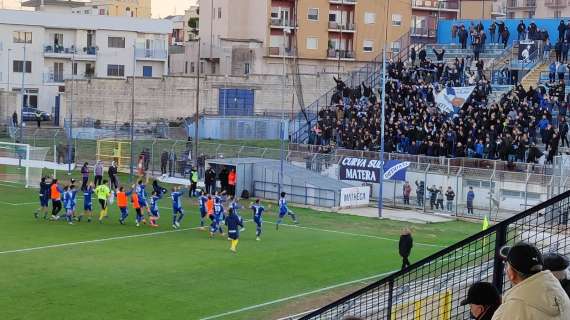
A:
(382, 117)
(286, 31)
(197, 110)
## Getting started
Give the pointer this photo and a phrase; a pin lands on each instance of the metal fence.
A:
(434, 287)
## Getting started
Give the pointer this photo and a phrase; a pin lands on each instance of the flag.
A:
(485, 223)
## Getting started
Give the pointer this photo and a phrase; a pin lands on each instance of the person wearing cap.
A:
(483, 300)
(558, 265)
(535, 294)
(405, 247)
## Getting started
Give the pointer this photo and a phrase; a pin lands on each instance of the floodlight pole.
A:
(131, 166)
(70, 137)
(282, 125)
(383, 121)
(23, 94)
(197, 111)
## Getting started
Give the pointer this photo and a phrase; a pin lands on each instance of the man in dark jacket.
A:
(163, 162)
(521, 29)
(505, 36)
(234, 222)
(210, 181)
(561, 30)
(483, 300)
(422, 55)
(558, 265)
(462, 35)
(405, 247)
(223, 176)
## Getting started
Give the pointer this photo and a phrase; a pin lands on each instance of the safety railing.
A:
(306, 195)
(433, 288)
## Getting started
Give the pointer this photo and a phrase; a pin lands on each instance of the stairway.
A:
(532, 78)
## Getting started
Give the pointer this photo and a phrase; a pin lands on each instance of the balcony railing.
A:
(342, 54)
(521, 4)
(338, 27)
(435, 5)
(143, 53)
(343, 1)
(54, 49)
(281, 23)
(556, 3)
(51, 77)
(423, 32)
(278, 52)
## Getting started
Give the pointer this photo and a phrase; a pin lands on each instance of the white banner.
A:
(452, 97)
(354, 197)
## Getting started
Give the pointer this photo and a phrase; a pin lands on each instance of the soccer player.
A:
(154, 214)
(177, 211)
(257, 218)
(217, 218)
(55, 194)
(70, 203)
(233, 222)
(44, 199)
(141, 192)
(210, 207)
(284, 210)
(122, 203)
(87, 203)
(103, 192)
(234, 205)
(137, 206)
(202, 200)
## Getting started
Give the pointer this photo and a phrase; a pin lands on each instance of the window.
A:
(419, 3)
(368, 46)
(557, 14)
(18, 66)
(396, 47)
(396, 20)
(101, 12)
(116, 42)
(115, 70)
(312, 43)
(246, 68)
(147, 71)
(74, 69)
(22, 37)
(87, 12)
(219, 13)
(186, 67)
(313, 14)
(202, 67)
(275, 13)
(369, 17)
(89, 71)
(332, 17)
(192, 67)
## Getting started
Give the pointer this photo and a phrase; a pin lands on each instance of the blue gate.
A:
(236, 102)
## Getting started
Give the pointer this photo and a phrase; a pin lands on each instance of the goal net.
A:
(22, 163)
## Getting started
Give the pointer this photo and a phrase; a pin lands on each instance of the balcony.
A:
(87, 53)
(281, 23)
(347, 2)
(435, 5)
(337, 27)
(521, 4)
(423, 32)
(59, 78)
(556, 3)
(151, 54)
(279, 52)
(340, 54)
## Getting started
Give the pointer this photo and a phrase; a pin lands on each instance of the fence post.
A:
(390, 297)
(425, 187)
(498, 266)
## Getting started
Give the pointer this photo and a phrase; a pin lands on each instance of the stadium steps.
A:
(532, 78)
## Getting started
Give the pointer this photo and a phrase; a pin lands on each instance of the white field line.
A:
(300, 295)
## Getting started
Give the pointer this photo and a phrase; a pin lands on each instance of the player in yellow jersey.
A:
(102, 192)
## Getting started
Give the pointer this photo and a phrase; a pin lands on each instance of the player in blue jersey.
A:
(141, 193)
(217, 218)
(87, 203)
(154, 214)
(177, 211)
(202, 200)
(284, 210)
(257, 209)
(69, 202)
(44, 199)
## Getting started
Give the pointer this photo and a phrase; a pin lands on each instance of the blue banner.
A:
(368, 170)
(395, 170)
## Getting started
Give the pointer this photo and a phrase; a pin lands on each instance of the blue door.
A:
(147, 71)
(236, 102)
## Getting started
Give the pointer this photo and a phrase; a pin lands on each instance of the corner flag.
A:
(485, 223)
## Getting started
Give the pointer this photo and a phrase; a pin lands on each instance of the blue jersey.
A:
(154, 203)
(44, 190)
(69, 200)
(235, 207)
(257, 211)
(218, 211)
(140, 189)
(202, 202)
(87, 201)
(283, 209)
(176, 199)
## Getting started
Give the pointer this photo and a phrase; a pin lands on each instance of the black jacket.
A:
(405, 245)
(210, 176)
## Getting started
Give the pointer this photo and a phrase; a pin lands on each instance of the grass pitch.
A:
(51, 270)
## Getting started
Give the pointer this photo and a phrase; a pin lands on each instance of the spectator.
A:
(84, 176)
(98, 171)
(535, 294)
(413, 56)
(470, 198)
(439, 204)
(163, 162)
(432, 196)
(146, 155)
(547, 48)
(563, 129)
(462, 35)
(406, 191)
(38, 117)
(193, 182)
(223, 177)
(558, 265)
(405, 247)
(558, 51)
(201, 165)
(15, 119)
(500, 30)
(113, 176)
(420, 191)
(552, 72)
(565, 47)
(521, 30)
(439, 53)
(483, 300)
(450, 196)
(492, 29)
(561, 31)
(505, 36)
(171, 164)
(160, 191)
(210, 181)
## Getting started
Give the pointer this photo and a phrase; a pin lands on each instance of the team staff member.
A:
(55, 194)
(234, 223)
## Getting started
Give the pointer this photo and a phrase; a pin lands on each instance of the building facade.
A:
(43, 49)
(538, 9)
(115, 8)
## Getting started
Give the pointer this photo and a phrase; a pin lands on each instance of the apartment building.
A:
(253, 36)
(41, 50)
(115, 8)
(538, 9)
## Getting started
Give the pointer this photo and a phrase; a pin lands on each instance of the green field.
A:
(110, 271)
